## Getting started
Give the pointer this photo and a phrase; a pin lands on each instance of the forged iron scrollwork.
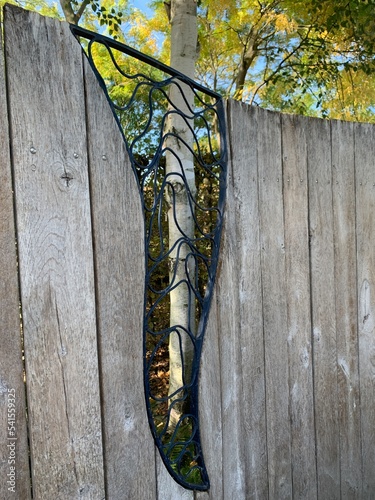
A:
(148, 99)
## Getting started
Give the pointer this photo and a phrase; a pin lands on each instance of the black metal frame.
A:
(216, 173)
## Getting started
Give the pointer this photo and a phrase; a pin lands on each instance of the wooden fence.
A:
(287, 383)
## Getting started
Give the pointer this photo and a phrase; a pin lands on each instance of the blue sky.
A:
(141, 5)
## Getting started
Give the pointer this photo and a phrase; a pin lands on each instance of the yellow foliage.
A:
(43, 7)
(353, 98)
(232, 32)
(142, 33)
(283, 23)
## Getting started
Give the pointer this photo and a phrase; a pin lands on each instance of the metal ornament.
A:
(140, 92)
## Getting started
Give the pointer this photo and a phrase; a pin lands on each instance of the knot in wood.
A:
(67, 177)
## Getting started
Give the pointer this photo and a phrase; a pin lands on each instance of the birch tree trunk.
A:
(182, 192)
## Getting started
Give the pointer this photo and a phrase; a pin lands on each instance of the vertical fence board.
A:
(343, 183)
(287, 384)
(119, 256)
(56, 263)
(323, 308)
(210, 407)
(298, 299)
(365, 205)
(227, 288)
(167, 488)
(243, 140)
(14, 463)
(274, 305)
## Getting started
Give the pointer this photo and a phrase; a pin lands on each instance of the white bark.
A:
(180, 163)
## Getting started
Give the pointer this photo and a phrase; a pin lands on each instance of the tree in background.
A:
(180, 170)
(182, 16)
(43, 7)
(107, 13)
(88, 12)
(302, 56)
(309, 57)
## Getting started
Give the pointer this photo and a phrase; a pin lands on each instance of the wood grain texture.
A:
(210, 406)
(287, 381)
(323, 308)
(243, 139)
(167, 488)
(365, 206)
(120, 261)
(344, 218)
(11, 366)
(56, 263)
(274, 305)
(234, 479)
(295, 192)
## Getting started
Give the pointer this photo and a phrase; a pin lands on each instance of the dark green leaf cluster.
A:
(111, 18)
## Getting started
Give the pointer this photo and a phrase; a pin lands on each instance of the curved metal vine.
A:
(139, 90)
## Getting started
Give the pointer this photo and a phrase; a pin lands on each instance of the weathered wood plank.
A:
(343, 182)
(286, 186)
(323, 308)
(13, 452)
(119, 258)
(298, 303)
(167, 488)
(243, 138)
(365, 207)
(56, 263)
(234, 482)
(274, 305)
(210, 407)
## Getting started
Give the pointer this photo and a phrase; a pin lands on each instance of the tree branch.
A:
(80, 11)
(279, 66)
(68, 11)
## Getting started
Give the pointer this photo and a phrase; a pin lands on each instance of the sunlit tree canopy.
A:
(300, 56)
